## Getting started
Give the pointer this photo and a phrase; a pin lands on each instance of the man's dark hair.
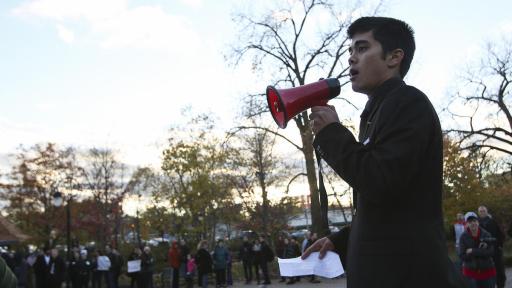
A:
(391, 34)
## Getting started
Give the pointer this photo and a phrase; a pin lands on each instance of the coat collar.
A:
(381, 91)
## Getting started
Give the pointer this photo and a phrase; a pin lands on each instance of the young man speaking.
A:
(395, 169)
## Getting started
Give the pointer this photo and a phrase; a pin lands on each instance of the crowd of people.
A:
(479, 245)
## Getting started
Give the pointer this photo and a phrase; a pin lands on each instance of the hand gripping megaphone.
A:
(284, 104)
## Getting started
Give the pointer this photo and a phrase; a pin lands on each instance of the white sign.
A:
(133, 266)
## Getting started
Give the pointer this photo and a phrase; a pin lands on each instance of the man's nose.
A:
(351, 59)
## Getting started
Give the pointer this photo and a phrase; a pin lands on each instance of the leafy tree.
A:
(463, 189)
(196, 167)
(289, 44)
(39, 171)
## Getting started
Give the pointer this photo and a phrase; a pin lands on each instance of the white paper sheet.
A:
(329, 267)
(133, 266)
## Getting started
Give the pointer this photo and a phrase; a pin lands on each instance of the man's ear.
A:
(395, 57)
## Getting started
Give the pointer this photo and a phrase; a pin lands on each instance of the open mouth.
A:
(353, 73)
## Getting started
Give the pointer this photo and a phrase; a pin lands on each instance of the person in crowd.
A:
(307, 238)
(57, 270)
(103, 266)
(84, 269)
(395, 167)
(184, 251)
(134, 276)
(21, 267)
(288, 252)
(459, 226)
(246, 255)
(229, 267)
(42, 268)
(204, 263)
(267, 255)
(476, 251)
(220, 258)
(174, 260)
(191, 271)
(258, 256)
(311, 241)
(116, 261)
(147, 269)
(491, 225)
(96, 274)
(73, 270)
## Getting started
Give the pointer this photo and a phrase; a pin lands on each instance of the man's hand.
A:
(322, 116)
(322, 245)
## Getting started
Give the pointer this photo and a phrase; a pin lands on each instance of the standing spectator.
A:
(267, 256)
(229, 267)
(491, 226)
(256, 250)
(288, 252)
(476, 252)
(458, 229)
(204, 263)
(184, 251)
(134, 276)
(116, 261)
(84, 268)
(103, 267)
(174, 260)
(57, 270)
(312, 239)
(191, 271)
(42, 268)
(307, 238)
(147, 266)
(247, 255)
(73, 270)
(21, 267)
(220, 258)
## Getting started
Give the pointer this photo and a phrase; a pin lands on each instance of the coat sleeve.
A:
(389, 162)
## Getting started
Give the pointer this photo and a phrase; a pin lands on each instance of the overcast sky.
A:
(116, 73)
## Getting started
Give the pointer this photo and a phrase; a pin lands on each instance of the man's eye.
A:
(362, 49)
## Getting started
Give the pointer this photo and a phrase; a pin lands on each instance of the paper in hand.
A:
(329, 267)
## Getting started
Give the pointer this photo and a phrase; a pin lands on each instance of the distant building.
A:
(336, 218)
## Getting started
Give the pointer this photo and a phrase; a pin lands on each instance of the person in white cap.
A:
(476, 250)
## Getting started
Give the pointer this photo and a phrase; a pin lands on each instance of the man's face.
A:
(460, 216)
(482, 212)
(368, 69)
(473, 224)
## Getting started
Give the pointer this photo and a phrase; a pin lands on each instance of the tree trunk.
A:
(318, 223)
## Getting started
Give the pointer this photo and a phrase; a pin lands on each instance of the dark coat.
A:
(41, 272)
(396, 171)
(481, 256)
(246, 254)
(57, 272)
(490, 225)
(204, 261)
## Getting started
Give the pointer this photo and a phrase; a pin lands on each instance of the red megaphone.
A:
(284, 104)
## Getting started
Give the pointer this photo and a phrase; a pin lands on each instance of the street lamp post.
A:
(58, 200)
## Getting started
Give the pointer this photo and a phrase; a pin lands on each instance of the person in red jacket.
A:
(174, 261)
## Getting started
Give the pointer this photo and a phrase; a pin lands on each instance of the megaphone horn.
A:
(284, 104)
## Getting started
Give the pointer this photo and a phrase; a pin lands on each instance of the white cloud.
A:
(65, 34)
(115, 25)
